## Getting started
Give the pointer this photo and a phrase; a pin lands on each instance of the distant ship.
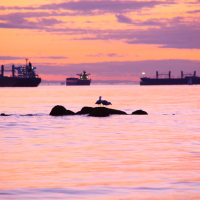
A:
(83, 80)
(26, 76)
(185, 79)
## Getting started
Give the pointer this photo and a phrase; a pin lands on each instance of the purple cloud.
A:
(194, 11)
(123, 19)
(107, 55)
(150, 22)
(116, 55)
(17, 20)
(22, 58)
(53, 57)
(106, 6)
(10, 16)
(168, 33)
(10, 58)
(96, 55)
(175, 33)
(121, 69)
(49, 22)
(180, 36)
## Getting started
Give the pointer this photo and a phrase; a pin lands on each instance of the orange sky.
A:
(56, 35)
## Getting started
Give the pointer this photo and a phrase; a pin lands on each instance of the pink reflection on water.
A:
(119, 157)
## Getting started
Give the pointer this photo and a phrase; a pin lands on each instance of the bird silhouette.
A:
(99, 101)
(106, 103)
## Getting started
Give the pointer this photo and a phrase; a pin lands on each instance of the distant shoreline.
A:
(95, 82)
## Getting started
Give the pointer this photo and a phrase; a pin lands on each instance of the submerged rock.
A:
(60, 111)
(85, 110)
(29, 115)
(139, 112)
(3, 114)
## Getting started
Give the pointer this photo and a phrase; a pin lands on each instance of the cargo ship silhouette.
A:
(185, 79)
(26, 76)
(83, 80)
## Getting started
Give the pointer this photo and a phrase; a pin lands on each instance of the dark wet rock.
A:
(85, 110)
(116, 112)
(60, 111)
(100, 112)
(139, 112)
(88, 110)
(71, 112)
(104, 112)
(92, 111)
(3, 114)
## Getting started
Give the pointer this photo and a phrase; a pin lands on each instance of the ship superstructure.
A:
(26, 71)
(25, 77)
(83, 80)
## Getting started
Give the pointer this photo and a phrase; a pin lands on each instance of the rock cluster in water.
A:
(92, 111)
(3, 114)
(60, 111)
(139, 112)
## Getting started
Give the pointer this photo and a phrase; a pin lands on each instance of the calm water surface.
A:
(155, 156)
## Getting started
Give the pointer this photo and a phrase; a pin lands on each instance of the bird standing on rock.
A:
(99, 101)
(106, 103)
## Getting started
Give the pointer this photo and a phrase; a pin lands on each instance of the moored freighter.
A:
(83, 80)
(185, 79)
(26, 77)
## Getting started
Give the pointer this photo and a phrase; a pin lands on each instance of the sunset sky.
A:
(111, 39)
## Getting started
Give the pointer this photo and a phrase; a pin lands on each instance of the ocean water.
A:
(151, 157)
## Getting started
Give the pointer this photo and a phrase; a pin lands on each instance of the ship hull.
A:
(171, 81)
(19, 82)
(77, 82)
